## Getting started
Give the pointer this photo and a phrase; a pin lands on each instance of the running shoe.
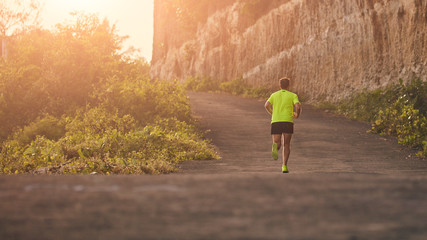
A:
(274, 152)
(285, 169)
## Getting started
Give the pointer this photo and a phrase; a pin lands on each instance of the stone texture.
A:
(330, 48)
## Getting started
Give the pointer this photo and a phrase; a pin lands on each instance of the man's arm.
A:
(268, 107)
(297, 110)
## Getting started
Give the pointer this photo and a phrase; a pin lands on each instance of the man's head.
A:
(284, 83)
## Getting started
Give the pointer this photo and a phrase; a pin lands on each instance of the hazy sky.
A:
(133, 18)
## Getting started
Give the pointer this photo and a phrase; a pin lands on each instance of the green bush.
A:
(239, 87)
(138, 126)
(199, 84)
(146, 100)
(366, 106)
(424, 152)
(235, 86)
(403, 121)
(399, 110)
(97, 140)
(48, 126)
(259, 92)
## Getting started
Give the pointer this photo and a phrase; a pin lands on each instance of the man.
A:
(281, 106)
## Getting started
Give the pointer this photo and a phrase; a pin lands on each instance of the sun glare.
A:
(92, 6)
(132, 17)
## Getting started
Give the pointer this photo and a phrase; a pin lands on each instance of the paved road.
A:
(343, 184)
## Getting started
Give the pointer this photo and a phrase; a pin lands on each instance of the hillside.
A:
(331, 49)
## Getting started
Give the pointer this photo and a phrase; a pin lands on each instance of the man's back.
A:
(283, 105)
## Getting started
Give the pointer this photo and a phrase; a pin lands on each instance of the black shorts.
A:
(282, 127)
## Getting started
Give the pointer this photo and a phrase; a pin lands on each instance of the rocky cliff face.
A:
(330, 48)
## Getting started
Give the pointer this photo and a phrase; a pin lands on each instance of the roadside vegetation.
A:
(72, 103)
(400, 110)
(235, 87)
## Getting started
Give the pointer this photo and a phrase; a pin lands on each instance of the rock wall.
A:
(329, 48)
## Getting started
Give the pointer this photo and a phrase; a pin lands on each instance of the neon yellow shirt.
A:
(283, 106)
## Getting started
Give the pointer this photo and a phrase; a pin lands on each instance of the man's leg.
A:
(277, 143)
(277, 138)
(286, 147)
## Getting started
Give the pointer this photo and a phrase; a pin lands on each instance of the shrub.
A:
(403, 121)
(258, 92)
(97, 140)
(399, 110)
(48, 126)
(424, 152)
(235, 86)
(201, 84)
(366, 106)
(239, 87)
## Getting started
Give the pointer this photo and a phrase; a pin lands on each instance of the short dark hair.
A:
(284, 82)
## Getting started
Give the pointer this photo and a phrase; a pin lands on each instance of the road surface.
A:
(343, 183)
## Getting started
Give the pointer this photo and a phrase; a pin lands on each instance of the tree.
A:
(55, 72)
(17, 16)
(83, 55)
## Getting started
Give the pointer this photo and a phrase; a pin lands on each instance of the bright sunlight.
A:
(133, 18)
(81, 5)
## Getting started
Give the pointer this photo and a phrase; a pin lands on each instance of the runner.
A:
(281, 106)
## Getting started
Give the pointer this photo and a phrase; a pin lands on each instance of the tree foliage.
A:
(70, 102)
(17, 16)
(57, 72)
